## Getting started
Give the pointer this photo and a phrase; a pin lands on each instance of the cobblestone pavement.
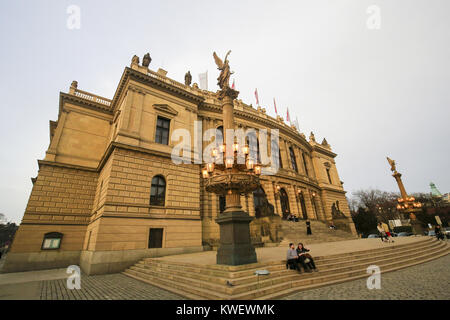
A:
(428, 281)
(104, 287)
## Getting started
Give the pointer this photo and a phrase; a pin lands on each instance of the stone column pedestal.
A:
(235, 246)
(417, 228)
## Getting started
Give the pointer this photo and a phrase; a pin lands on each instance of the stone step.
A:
(282, 277)
(196, 283)
(242, 277)
(325, 272)
(189, 288)
(288, 285)
(362, 274)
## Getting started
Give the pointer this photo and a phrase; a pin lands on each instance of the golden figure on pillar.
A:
(232, 179)
(223, 81)
(224, 67)
(392, 163)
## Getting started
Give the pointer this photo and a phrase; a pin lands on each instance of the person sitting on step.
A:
(293, 261)
(305, 257)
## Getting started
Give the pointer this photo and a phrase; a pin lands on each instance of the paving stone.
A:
(429, 281)
(104, 287)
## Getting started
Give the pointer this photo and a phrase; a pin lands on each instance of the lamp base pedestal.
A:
(417, 228)
(235, 246)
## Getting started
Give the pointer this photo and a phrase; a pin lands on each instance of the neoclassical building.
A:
(108, 194)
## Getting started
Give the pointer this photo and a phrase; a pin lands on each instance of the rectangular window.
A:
(162, 131)
(52, 241)
(293, 161)
(329, 177)
(155, 238)
(304, 163)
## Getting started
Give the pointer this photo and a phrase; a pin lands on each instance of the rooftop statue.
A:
(188, 78)
(224, 67)
(146, 60)
(392, 163)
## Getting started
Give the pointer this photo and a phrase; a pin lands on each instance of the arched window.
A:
(158, 191)
(52, 241)
(303, 206)
(274, 148)
(304, 163)
(293, 160)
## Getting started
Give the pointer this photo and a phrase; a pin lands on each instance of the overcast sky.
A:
(370, 92)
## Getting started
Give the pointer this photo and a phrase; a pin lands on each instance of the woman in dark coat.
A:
(308, 228)
(306, 257)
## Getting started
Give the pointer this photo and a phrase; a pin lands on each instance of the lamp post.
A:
(406, 204)
(231, 179)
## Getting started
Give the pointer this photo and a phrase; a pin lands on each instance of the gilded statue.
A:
(392, 163)
(224, 77)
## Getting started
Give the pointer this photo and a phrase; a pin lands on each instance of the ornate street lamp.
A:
(406, 204)
(232, 179)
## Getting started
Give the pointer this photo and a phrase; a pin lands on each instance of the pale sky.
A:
(370, 92)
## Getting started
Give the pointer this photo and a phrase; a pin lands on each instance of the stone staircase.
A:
(220, 282)
(295, 232)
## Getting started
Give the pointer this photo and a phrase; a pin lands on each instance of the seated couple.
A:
(299, 256)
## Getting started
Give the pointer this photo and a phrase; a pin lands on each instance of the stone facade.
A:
(94, 184)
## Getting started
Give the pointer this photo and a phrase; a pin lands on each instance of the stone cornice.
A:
(65, 165)
(65, 97)
(320, 149)
(153, 82)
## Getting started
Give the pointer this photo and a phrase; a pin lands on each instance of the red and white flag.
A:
(232, 86)
(287, 115)
(256, 96)
(275, 105)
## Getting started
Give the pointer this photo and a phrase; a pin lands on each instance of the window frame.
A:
(305, 164)
(329, 175)
(161, 130)
(293, 159)
(53, 236)
(162, 237)
(158, 186)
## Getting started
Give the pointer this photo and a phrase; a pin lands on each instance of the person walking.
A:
(308, 228)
